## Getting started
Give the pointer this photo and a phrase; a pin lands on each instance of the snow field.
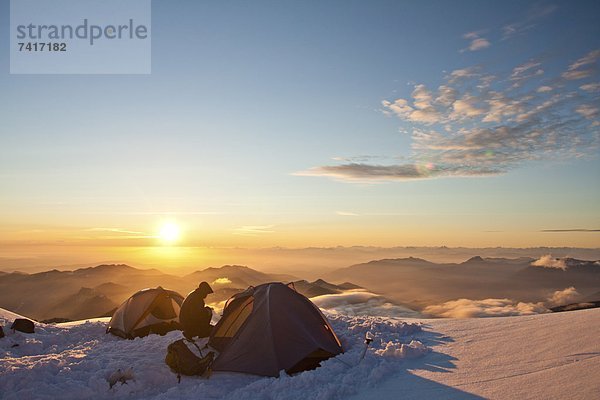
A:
(76, 361)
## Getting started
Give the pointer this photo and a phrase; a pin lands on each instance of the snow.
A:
(547, 356)
(412, 350)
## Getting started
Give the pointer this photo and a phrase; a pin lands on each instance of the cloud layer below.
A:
(361, 302)
(467, 308)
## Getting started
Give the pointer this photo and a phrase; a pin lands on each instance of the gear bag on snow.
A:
(184, 362)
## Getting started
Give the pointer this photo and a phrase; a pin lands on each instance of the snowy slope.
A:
(547, 356)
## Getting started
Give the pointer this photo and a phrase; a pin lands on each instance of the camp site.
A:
(299, 199)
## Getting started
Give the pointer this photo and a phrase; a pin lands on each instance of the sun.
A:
(169, 232)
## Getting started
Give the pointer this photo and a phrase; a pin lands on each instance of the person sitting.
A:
(194, 316)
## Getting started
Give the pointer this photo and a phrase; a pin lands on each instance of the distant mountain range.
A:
(97, 291)
(420, 282)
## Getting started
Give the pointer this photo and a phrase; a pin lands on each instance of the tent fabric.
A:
(153, 310)
(271, 328)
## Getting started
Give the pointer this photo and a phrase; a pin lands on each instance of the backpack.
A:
(22, 325)
(183, 361)
(1, 332)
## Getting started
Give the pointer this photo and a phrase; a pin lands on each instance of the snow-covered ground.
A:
(549, 356)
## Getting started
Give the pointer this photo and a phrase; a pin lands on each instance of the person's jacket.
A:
(192, 311)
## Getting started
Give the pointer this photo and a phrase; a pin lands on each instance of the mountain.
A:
(576, 306)
(321, 287)
(111, 289)
(92, 291)
(236, 276)
(593, 297)
(419, 282)
(567, 271)
(86, 303)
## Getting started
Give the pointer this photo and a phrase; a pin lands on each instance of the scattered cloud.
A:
(479, 44)
(562, 297)
(115, 230)
(548, 261)
(476, 41)
(472, 35)
(583, 67)
(591, 87)
(119, 234)
(361, 158)
(578, 74)
(525, 72)
(369, 173)
(481, 124)
(589, 58)
(532, 18)
(462, 74)
(536, 13)
(347, 214)
(467, 308)
(221, 281)
(253, 230)
(571, 230)
(588, 111)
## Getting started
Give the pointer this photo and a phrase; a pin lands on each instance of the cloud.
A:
(562, 297)
(524, 72)
(466, 107)
(477, 42)
(522, 69)
(588, 61)
(221, 281)
(571, 230)
(467, 308)
(578, 74)
(472, 35)
(422, 109)
(253, 230)
(120, 234)
(367, 173)
(589, 58)
(533, 16)
(591, 87)
(462, 74)
(347, 214)
(361, 302)
(447, 95)
(479, 124)
(548, 261)
(587, 111)
(116, 230)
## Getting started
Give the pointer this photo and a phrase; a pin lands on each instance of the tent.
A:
(147, 311)
(269, 328)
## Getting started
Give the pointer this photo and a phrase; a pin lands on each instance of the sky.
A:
(312, 124)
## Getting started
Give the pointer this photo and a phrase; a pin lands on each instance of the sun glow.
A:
(169, 232)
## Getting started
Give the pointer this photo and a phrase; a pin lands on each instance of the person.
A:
(194, 316)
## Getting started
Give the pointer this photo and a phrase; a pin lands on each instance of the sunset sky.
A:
(308, 123)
